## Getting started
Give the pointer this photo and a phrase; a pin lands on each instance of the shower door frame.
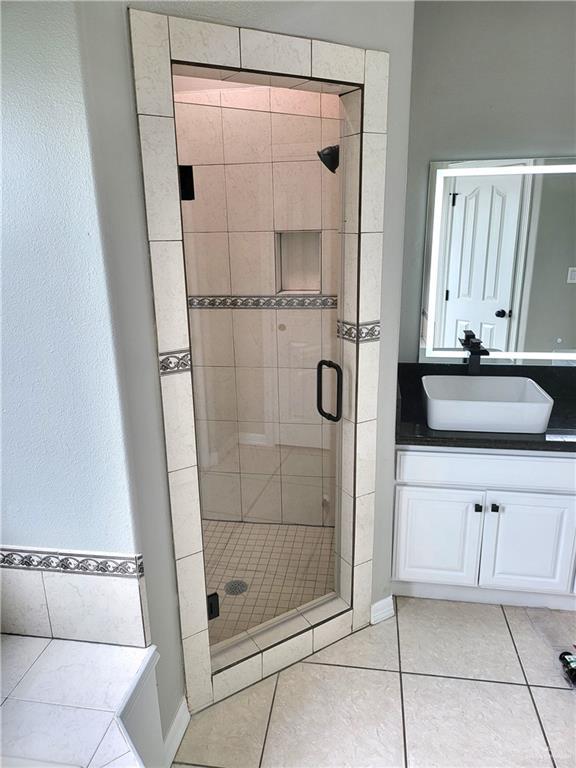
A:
(158, 41)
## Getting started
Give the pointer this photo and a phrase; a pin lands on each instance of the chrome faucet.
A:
(475, 352)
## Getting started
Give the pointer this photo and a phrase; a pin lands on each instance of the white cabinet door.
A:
(438, 535)
(529, 541)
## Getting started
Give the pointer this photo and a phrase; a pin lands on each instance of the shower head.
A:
(330, 157)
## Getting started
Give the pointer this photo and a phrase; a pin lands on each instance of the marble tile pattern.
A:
(63, 707)
(342, 706)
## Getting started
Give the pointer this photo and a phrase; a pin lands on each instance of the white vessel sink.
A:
(486, 404)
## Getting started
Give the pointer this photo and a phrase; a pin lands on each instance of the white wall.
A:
(489, 80)
(65, 482)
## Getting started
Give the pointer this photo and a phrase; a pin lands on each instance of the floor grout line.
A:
(528, 686)
(269, 719)
(404, 739)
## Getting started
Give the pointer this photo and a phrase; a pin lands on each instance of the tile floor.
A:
(59, 699)
(443, 685)
(284, 566)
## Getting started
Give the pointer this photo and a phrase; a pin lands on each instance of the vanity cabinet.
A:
(484, 534)
(528, 541)
(438, 535)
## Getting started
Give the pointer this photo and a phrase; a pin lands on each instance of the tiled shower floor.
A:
(284, 566)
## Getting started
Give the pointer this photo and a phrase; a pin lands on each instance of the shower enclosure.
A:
(261, 205)
(263, 160)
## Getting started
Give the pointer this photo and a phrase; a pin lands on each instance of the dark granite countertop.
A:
(558, 381)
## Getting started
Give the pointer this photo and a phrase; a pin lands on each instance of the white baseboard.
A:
(383, 609)
(176, 733)
(484, 595)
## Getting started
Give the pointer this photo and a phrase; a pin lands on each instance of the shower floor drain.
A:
(235, 587)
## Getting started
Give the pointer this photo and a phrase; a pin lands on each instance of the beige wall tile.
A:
(373, 175)
(220, 495)
(297, 392)
(350, 163)
(287, 653)
(364, 537)
(198, 672)
(160, 171)
(368, 372)
(185, 510)
(204, 43)
(215, 393)
(301, 449)
(192, 601)
(208, 211)
(247, 136)
(295, 102)
(295, 137)
(259, 447)
(218, 446)
(299, 337)
(261, 498)
(249, 195)
(257, 393)
(365, 457)
(333, 630)
(199, 134)
(211, 337)
(151, 57)
(252, 263)
(337, 62)
(297, 196)
(207, 263)
(94, 608)
(351, 112)
(237, 677)
(362, 598)
(302, 500)
(371, 251)
(255, 337)
(178, 420)
(275, 53)
(246, 98)
(24, 610)
(376, 92)
(169, 296)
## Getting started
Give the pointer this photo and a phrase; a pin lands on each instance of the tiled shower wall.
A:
(265, 455)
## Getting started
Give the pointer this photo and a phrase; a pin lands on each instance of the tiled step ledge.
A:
(93, 697)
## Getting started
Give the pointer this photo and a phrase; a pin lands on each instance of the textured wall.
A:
(65, 481)
(489, 80)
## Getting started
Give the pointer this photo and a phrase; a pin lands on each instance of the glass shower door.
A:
(263, 271)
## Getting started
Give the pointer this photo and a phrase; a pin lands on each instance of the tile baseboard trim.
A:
(176, 732)
(177, 361)
(383, 609)
(93, 563)
(358, 332)
(292, 301)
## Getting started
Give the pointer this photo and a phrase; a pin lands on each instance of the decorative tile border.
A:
(174, 362)
(72, 562)
(292, 301)
(360, 332)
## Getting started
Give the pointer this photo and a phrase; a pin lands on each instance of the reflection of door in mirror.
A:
(481, 226)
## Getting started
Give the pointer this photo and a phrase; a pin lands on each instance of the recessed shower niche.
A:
(264, 273)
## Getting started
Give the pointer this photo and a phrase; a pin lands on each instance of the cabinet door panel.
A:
(529, 543)
(437, 535)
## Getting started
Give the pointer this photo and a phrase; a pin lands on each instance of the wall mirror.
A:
(501, 260)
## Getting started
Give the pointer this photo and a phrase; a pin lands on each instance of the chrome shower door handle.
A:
(319, 392)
